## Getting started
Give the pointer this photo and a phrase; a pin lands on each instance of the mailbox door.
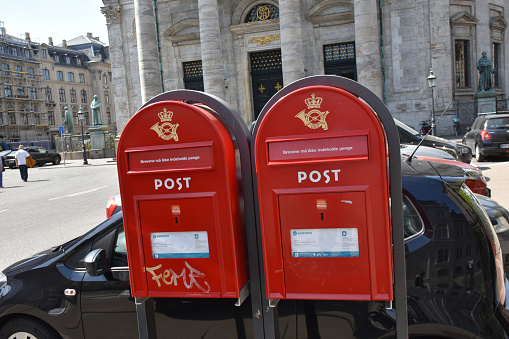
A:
(324, 238)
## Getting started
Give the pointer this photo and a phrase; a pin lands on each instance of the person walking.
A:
(21, 161)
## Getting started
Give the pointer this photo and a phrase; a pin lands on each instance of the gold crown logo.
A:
(313, 102)
(165, 115)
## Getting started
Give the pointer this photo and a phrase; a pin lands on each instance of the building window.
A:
(33, 93)
(5, 69)
(56, 57)
(87, 119)
(78, 61)
(61, 94)
(73, 95)
(31, 72)
(44, 53)
(67, 59)
(20, 92)
(24, 118)
(82, 78)
(70, 77)
(60, 76)
(48, 94)
(83, 96)
(14, 51)
(262, 12)
(108, 115)
(442, 255)
(12, 118)
(17, 69)
(37, 118)
(7, 91)
(496, 63)
(106, 97)
(45, 74)
(461, 52)
(105, 79)
(27, 53)
(51, 117)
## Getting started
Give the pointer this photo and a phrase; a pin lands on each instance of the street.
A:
(57, 204)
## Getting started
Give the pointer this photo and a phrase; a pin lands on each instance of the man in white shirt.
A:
(21, 161)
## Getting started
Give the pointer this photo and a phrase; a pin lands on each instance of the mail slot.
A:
(180, 200)
(323, 197)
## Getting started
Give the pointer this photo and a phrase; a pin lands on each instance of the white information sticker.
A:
(325, 242)
(179, 245)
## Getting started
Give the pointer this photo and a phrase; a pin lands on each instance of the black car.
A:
(455, 282)
(488, 135)
(40, 154)
(407, 135)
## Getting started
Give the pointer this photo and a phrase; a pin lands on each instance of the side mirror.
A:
(95, 262)
(469, 129)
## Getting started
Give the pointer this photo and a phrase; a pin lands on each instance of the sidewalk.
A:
(91, 162)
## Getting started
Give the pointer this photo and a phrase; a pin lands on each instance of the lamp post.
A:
(431, 83)
(81, 117)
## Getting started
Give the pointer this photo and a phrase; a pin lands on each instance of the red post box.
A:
(180, 200)
(323, 196)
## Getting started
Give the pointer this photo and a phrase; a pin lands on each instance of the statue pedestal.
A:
(486, 102)
(97, 141)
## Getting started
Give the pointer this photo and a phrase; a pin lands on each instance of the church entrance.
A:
(267, 78)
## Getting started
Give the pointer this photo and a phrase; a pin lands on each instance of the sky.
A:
(59, 19)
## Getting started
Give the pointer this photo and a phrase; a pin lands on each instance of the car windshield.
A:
(498, 123)
(406, 127)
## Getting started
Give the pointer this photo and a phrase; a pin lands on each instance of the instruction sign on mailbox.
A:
(323, 196)
(180, 202)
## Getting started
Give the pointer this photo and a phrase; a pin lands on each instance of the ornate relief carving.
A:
(112, 13)
(263, 41)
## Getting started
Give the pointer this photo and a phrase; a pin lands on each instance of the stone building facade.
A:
(40, 79)
(244, 51)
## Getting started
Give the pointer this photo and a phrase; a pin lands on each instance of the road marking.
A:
(3, 211)
(79, 193)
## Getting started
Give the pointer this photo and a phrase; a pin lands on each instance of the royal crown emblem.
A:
(166, 130)
(314, 118)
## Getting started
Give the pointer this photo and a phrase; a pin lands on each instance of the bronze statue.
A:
(96, 111)
(485, 71)
(68, 121)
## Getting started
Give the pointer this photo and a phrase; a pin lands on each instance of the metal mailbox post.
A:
(322, 181)
(186, 211)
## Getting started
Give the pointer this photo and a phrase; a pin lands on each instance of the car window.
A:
(407, 128)
(498, 123)
(120, 251)
(412, 222)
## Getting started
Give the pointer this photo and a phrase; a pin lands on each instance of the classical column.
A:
(117, 61)
(211, 55)
(292, 52)
(367, 45)
(148, 54)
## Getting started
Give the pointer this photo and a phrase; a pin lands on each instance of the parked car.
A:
(407, 135)
(3, 154)
(113, 205)
(40, 154)
(488, 135)
(474, 177)
(455, 282)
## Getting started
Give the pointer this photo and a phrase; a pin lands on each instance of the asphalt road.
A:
(57, 204)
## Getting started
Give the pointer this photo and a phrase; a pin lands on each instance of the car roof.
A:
(491, 116)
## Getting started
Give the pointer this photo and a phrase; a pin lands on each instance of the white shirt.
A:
(21, 155)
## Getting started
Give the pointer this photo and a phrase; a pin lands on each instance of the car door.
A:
(34, 153)
(108, 310)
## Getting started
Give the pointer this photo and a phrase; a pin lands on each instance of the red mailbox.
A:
(323, 197)
(180, 201)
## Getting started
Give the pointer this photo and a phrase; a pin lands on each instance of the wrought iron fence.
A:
(74, 143)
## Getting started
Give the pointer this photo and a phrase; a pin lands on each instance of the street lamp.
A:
(431, 83)
(81, 117)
